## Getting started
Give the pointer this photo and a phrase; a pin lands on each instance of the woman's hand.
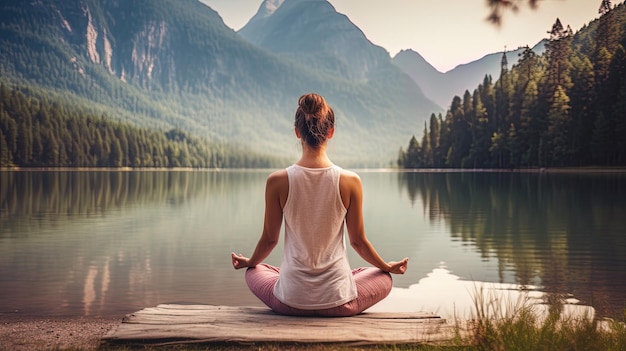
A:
(239, 261)
(398, 267)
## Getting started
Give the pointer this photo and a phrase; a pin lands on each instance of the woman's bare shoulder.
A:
(281, 173)
(349, 178)
(277, 186)
(350, 175)
(278, 178)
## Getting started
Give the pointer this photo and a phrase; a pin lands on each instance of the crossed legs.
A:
(372, 286)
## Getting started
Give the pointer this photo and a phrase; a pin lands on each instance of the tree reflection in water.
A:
(564, 231)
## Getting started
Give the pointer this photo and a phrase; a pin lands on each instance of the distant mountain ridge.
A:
(442, 87)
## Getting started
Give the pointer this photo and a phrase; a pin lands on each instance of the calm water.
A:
(110, 243)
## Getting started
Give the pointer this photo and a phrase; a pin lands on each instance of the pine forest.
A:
(39, 133)
(564, 108)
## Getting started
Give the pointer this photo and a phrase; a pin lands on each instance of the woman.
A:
(316, 198)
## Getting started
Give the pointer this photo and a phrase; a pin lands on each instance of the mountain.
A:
(313, 35)
(174, 64)
(163, 63)
(442, 87)
(312, 32)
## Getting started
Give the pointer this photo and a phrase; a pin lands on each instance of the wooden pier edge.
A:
(201, 324)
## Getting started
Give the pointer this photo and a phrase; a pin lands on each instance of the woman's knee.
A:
(388, 281)
(261, 280)
(374, 278)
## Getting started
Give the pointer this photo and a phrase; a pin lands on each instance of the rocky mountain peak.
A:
(268, 7)
(312, 30)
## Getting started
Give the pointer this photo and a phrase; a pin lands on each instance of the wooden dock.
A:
(173, 323)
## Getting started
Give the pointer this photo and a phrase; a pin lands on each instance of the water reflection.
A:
(94, 243)
(565, 232)
(450, 297)
(60, 194)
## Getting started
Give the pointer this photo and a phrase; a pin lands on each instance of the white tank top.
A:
(314, 273)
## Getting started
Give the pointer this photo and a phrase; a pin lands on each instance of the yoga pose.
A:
(317, 199)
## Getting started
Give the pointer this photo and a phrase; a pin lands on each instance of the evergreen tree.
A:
(401, 158)
(9, 127)
(479, 150)
(24, 140)
(434, 130)
(498, 149)
(559, 129)
(51, 150)
(557, 74)
(459, 131)
(602, 69)
(183, 156)
(607, 34)
(528, 66)
(503, 93)
(531, 127)
(613, 95)
(116, 158)
(487, 96)
(5, 155)
(37, 142)
(444, 140)
(528, 69)
(605, 7)
(500, 121)
(427, 152)
(413, 154)
(582, 100)
(558, 51)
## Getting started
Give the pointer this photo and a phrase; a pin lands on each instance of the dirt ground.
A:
(53, 334)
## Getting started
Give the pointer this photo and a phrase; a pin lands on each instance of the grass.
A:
(512, 325)
(526, 325)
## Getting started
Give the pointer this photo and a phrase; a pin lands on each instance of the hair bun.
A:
(311, 104)
(314, 119)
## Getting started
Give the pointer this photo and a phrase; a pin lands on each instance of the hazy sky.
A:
(445, 32)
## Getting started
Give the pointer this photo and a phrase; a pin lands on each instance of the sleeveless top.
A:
(314, 272)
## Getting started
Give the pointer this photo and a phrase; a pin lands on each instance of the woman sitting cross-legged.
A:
(316, 199)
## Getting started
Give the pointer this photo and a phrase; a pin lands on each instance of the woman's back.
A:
(314, 258)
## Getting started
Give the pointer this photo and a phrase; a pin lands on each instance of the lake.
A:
(108, 243)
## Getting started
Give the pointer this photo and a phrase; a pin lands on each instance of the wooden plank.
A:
(203, 323)
(225, 312)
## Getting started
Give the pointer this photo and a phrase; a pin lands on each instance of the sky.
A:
(445, 32)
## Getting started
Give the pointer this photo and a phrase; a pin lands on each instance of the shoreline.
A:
(582, 169)
(25, 333)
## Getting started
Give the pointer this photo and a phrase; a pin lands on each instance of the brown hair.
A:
(314, 119)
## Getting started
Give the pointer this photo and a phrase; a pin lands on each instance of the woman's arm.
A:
(352, 196)
(276, 190)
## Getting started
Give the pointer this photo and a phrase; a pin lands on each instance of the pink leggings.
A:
(372, 285)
